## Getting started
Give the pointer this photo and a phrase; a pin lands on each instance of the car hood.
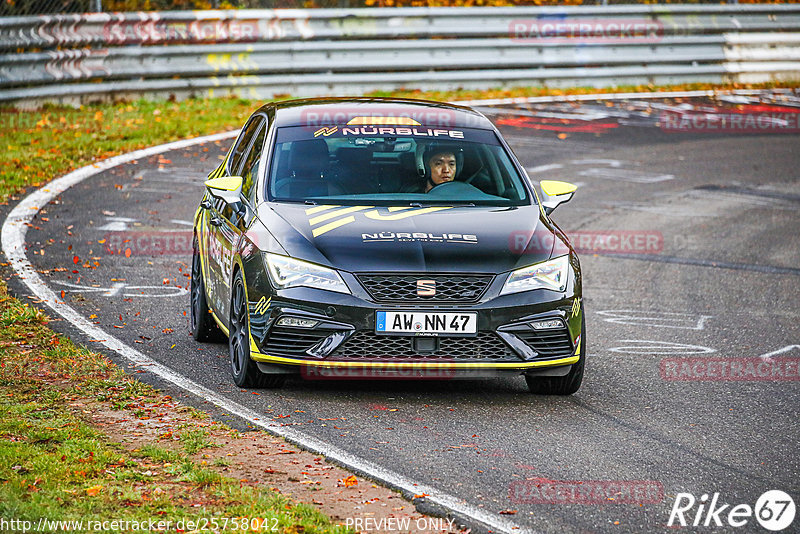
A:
(412, 239)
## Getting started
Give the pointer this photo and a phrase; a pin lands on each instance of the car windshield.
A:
(392, 165)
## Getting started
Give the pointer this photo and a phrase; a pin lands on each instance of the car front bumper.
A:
(343, 342)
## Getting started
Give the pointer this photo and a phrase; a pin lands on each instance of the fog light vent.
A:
(549, 324)
(296, 322)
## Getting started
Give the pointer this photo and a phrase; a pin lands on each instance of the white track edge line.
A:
(13, 235)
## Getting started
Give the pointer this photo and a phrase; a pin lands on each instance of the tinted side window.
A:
(244, 143)
(252, 163)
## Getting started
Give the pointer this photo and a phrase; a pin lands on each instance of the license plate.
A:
(422, 323)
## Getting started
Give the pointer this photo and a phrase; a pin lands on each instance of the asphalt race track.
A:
(690, 247)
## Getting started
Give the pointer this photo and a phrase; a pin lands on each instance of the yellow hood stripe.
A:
(376, 215)
(317, 209)
(331, 214)
(318, 231)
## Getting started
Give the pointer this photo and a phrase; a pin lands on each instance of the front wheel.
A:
(244, 370)
(562, 385)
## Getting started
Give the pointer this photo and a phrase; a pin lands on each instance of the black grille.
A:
(548, 343)
(367, 345)
(283, 341)
(403, 287)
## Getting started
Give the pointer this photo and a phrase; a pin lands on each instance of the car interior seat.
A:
(307, 167)
(352, 171)
(410, 182)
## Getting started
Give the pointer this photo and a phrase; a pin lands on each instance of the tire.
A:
(562, 385)
(203, 326)
(243, 369)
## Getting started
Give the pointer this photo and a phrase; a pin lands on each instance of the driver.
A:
(442, 165)
(437, 164)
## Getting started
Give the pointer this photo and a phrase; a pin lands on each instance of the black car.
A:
(384, 238)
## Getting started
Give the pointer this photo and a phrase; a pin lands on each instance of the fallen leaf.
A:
(349, 481)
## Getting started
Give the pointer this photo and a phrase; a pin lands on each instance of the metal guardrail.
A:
(113, 29)
(260, 53)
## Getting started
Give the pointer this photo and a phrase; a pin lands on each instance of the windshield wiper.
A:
(442, 203)
(310, 202)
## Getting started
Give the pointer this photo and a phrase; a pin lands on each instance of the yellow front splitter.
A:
(511, 366)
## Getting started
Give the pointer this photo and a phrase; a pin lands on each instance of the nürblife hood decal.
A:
(444, 238)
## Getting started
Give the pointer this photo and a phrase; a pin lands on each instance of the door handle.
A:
(206, 204)
(215, 221)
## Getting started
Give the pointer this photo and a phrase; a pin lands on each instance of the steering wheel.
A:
(454, 187)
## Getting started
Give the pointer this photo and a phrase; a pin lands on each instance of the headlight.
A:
(550, 274)
(288, 272)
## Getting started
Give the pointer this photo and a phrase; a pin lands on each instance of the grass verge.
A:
(56, 466)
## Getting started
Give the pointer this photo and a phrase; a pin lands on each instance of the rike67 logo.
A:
(774, 510)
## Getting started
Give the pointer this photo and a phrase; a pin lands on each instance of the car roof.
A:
(402, 111)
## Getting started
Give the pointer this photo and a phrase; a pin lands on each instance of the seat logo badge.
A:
(426, 288)
(326, 131)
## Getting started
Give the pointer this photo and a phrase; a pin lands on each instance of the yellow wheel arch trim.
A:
(253, 346)
(261, 357)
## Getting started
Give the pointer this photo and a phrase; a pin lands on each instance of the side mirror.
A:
(555, 193)
(228, 188)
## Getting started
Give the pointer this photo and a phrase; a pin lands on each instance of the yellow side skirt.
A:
(219, 323)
